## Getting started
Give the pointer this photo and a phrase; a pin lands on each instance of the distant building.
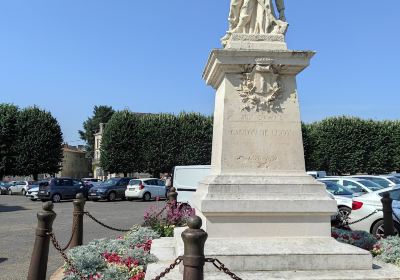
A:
(75, 162)
(97, 170)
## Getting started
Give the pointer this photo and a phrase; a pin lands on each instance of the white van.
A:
(186, 180)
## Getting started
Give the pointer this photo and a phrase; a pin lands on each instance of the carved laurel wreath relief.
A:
(261, 88)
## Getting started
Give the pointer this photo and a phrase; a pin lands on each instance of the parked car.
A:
(342, 196)
(20, 187)
(367, 204)
(110, 189)
(384, 181)
(57, 189)
(4, 187)
(146, 189)
(355, 185)
(32, 193)
(92, 181)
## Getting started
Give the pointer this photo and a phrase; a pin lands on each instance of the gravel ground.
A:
(18, 222)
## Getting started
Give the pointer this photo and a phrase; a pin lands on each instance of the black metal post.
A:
(388, 223)
(194, 239)
(172, 196)
(77, 225)
(40, 254)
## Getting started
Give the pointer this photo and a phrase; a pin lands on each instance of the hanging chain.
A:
(221, 267)
(134, 227)
(71, 266)
(176, 262)
(74, 227)
(347, 223)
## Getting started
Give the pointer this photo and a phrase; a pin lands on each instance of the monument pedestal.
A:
(265, 217)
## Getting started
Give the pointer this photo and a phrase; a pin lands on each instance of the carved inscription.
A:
(261, 132)
(256, 161)
(261, 117)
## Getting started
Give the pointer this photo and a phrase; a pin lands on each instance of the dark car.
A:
(110, 189)
(4, 187)
(57, 189)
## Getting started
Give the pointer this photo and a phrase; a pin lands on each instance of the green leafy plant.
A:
(388, 250)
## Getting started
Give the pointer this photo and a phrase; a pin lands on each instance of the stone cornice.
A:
(224, 61)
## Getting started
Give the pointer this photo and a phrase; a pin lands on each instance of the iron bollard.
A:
(388, 224)
(194, 239)
(40, 254)
(77, 225)
(173, 196)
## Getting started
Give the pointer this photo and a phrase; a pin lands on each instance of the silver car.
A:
(20, 187)
(386, 181)
(32, 193)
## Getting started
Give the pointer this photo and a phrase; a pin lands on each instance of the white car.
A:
(369, 203)
(146, 189)
(356, 185)
(386, 181)
(20, 187)
(32, 193)
(342, 196)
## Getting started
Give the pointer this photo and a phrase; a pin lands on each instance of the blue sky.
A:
(148, 56)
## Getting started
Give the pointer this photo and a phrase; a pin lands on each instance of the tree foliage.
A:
(157, 142)
(348, 145)
(8, 137)
(120, 147)
(39, 143)
(101, 114)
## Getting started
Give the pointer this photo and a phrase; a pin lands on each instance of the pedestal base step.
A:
(255, 260)
(380, 272)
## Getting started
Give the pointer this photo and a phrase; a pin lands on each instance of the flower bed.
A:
(164, 222)
(388, 250)
(361, 239)
(124, 258)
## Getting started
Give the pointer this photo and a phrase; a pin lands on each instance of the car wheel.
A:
(10, 192)
(379, 230)
(23, 192)
(112, 196)
(56, 198)
(344, 213)
(147, 196)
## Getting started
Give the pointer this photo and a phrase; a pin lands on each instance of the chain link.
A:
(397, 217)
(71, 266)
(74, 227)
(221, 267)
(176, 262)
(347, 223)
(134, 227)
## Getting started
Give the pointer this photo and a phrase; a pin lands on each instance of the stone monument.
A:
(264, 215)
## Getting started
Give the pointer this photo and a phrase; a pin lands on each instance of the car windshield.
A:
(336, 189)
(394, 180)
(371, 185)
(110, 182)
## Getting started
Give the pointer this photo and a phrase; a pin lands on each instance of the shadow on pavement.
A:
(11, 208)
(3, 260)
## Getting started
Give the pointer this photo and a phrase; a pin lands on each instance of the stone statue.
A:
(256, 17)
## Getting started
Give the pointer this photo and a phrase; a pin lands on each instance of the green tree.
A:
(8, 137)
(101, 114)
(120, 148)
(40, 140)
(195, 134)
(160, 142)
